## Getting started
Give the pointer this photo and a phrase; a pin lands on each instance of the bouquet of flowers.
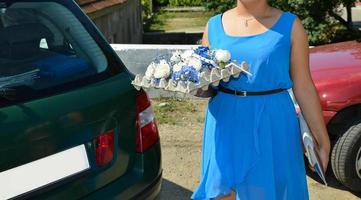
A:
(189, 70)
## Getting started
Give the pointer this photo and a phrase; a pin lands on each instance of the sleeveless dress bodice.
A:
(267, 54)
(252, 144)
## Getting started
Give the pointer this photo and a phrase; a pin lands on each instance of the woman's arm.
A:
(210, 92)
(305, 91)
(205, 41)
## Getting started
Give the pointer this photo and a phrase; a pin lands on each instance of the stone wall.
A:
(119, 20)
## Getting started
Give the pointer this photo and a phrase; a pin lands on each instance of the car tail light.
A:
(147, 131)
(104, 148)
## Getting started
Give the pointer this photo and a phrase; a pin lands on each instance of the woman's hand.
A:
(210, 92)
(306, 93)
(324, 154)
(205, 41)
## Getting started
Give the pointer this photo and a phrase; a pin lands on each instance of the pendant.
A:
(245, 22)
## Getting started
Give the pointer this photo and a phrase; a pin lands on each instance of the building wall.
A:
(120, 23)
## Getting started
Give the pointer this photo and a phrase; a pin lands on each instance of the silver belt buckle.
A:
(243, 93)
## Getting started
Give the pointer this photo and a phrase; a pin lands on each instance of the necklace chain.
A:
(246, 19)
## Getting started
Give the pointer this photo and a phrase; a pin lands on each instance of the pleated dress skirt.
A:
(248, 147)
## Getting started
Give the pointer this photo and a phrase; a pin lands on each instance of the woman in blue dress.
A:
(252, 147)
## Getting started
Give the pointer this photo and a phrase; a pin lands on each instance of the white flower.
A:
(150, 71)
(186, 54)
(177, 67)
(195, 62)
(222, 55)
(162, 70)
(176, 56)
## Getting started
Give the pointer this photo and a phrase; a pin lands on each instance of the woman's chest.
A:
(263, 47)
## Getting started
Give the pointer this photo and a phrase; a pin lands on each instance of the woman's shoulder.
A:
(292, 19)
(277, 11)
(213, 18)
(217, 17)
(290, 14)
(287, 18)
(288, 22)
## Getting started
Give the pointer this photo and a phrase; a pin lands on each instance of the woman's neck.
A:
(252, 8)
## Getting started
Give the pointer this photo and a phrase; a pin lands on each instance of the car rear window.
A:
(43, 45)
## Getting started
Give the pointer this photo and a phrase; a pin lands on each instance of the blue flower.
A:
(206, 65)
(203, 51)
(156, 81)
(176, 75)
(187, 73)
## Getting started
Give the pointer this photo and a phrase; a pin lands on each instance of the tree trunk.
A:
(349, 15)
(341, 20)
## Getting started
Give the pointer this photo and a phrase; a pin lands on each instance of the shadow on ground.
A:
(173, 191)
(331, 180)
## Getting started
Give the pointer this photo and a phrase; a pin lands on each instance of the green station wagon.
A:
(71, 124)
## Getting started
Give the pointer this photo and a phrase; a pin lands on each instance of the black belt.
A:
(246, 93)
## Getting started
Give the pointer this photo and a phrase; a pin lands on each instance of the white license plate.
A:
(28, 177)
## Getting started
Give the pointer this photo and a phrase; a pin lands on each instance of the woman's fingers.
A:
(312, 168)
(324, 155)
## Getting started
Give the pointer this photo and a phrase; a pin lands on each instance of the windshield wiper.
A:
(7, 82)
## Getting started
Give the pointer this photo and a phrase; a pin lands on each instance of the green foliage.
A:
(185, 2)
(161, 2)
(219, 6)
(321, 18)
(146, 12)
(314, 15)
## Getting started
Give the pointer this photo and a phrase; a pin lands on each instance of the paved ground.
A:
(188, 21)
(181, 151)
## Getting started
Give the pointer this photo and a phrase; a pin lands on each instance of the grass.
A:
(178, 111)
(178, 21)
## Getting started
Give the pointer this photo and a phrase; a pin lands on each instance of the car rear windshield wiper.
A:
(7, 82)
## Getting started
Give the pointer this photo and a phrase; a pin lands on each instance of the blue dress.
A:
(252, 144)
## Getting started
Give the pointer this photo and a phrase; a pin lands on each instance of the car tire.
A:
(345, 157)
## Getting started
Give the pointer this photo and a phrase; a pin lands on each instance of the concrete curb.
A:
(184, 9)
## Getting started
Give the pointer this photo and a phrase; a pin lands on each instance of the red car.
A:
(336, 71)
